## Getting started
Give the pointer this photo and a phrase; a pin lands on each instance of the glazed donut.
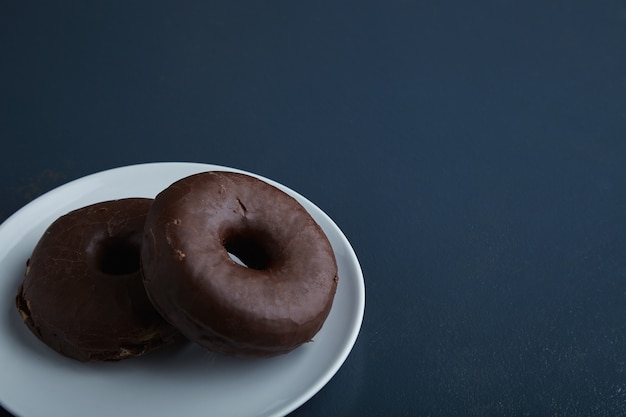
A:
(276, 301)
(83, 293)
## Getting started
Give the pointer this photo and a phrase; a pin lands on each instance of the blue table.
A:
(474, 154)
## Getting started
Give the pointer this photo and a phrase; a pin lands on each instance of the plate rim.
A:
(359, 298)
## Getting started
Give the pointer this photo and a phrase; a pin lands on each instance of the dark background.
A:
(474, 154)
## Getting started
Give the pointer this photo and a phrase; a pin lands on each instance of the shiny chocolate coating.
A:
(276, 301)
(83, 293)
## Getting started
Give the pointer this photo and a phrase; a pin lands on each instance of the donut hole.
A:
(251, 250)
(118, 256)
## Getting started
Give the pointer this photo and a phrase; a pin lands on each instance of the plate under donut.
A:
(185, 381)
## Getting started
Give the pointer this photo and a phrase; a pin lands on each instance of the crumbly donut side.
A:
(81, 294)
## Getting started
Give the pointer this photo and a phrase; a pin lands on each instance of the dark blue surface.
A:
(474, 153)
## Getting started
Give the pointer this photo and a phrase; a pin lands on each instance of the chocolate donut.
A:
(83, 294)
(276, 301)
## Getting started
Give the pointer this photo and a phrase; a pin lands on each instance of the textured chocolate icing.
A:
(83, 293)
(274, 304)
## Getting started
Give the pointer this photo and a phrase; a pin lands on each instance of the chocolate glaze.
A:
(83, 293)
(274, 304)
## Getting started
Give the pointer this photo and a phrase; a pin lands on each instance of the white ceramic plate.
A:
(182, 381)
